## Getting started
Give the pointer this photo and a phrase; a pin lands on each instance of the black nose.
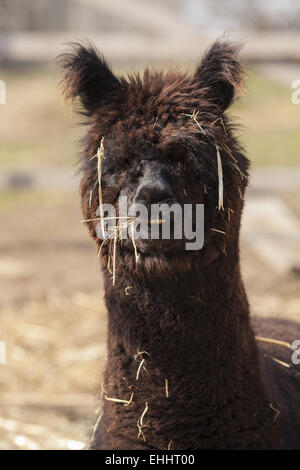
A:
(153, 191)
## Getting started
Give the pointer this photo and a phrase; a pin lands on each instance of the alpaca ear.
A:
(221, 74)
(87, 76)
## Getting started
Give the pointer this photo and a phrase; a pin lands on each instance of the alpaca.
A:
(183, 368)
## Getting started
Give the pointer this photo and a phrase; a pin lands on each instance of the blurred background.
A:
(52, 316)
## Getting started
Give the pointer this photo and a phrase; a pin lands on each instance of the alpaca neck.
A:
(189, 314)
(182, 350)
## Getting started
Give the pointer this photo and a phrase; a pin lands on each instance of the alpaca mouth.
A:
(156, 246)
(157, 221)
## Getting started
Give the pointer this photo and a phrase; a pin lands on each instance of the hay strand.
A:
(127, 289)
(106, 218)
(119, 400)
(141, 363)
(284, 364)
(218, 231)
(226, 149)
(167, 387)
(139, 369)
(90, 198)
(220, 177)
(134, 245)
(114, 259)
(140, 424)
(274, 341)
(222, 122)
(274, 409)
(194, 116)
(139, 353)
(100, 155)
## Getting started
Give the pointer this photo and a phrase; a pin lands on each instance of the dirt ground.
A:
(53, 323)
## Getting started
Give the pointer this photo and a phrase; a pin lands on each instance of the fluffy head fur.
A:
(150, 118)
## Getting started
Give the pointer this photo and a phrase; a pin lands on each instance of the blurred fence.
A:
(132, 30)
(86, 15)
(80, 15)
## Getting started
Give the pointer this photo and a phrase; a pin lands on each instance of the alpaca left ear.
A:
(220, 74)
(87, 76)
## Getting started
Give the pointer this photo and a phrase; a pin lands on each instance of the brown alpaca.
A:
(183, 368)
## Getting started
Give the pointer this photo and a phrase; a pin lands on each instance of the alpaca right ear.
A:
(87, 76)
(220, 74)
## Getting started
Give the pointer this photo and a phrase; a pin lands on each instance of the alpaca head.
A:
(166, 140)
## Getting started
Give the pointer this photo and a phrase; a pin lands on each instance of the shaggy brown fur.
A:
(182, 368)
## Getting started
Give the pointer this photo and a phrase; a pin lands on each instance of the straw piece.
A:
(140, 424)
(90, 198)
(104, 241)
(167, 387)
(141, 363)
(229, 211)
(157, 221)
(96, 426)
(275, 409)
(114, 259)
(284, 364)
(222, 122)
(220, 177)
(226, 149)
(219, 231)
(194, 116)
(92, 190)
(143, 414)
(127, 289)
(130, 400)
(274, 341)
(114, 236)
(119, 400)
(100, 155)
(134, 245)
(139, 353)
(106, 218)
(139, 369)
(109, 258)
(236, 167)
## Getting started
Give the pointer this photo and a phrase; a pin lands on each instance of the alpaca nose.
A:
(153, 191)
